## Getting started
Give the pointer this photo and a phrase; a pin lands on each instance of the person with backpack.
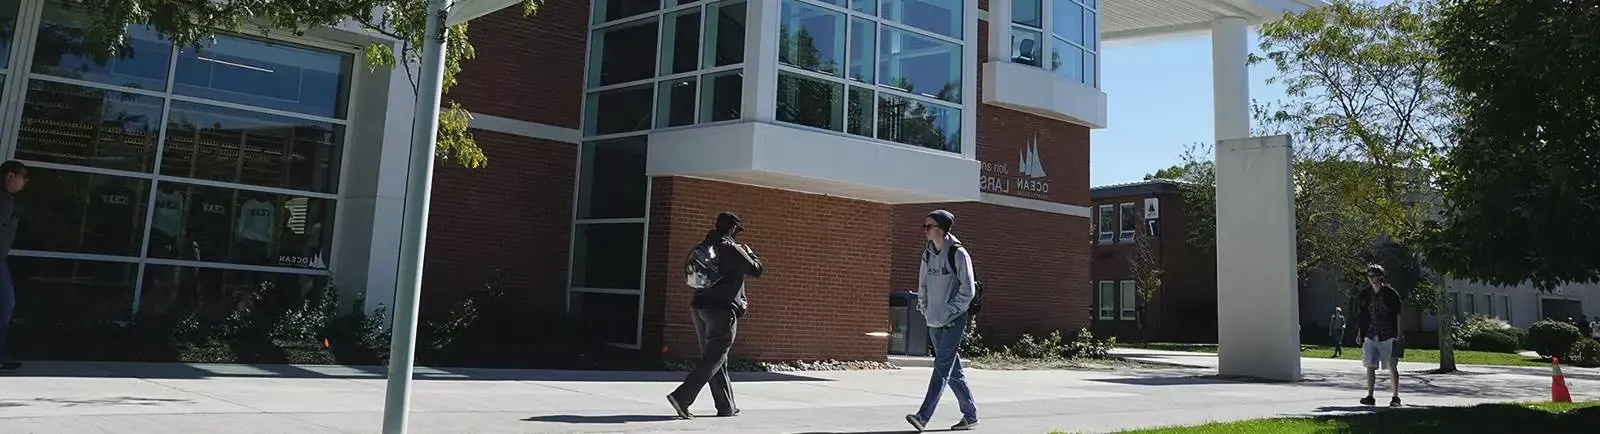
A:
(946, 292)
(716, 270)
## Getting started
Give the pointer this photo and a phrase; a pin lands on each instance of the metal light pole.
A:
(419, 184)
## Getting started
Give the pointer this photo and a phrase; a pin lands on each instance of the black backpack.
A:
(977, 286)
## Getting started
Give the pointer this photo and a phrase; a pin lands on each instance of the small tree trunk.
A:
(1447, 351)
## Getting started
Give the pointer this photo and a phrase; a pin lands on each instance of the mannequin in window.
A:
(1027, 53)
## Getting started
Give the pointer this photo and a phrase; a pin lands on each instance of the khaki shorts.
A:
(1378, 354)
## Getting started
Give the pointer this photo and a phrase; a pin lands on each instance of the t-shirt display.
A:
(169, 213)
(257, 221)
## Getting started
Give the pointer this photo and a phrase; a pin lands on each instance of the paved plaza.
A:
(88, 397)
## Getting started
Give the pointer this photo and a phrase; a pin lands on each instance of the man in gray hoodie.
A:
(945, 289)
(15, 177)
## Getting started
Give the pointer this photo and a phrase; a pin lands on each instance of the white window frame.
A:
(1128, 299)
(1125, 211)
(1047, 40)
(18, 75)
(1107, 237)
(1107, 300)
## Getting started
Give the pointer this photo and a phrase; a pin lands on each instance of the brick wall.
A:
(1186, 308)
(528, 68)
(1002, 134)
(1033, 265)
(515, 214)
(827, 269)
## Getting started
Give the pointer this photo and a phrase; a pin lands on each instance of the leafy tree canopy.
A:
(1522, 185)
(192, 22)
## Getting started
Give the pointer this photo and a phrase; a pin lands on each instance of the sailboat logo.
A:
(1030, 160)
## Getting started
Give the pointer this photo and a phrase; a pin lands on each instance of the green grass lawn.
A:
(1531, 418)
(1417, 355)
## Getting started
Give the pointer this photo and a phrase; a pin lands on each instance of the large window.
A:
(1108, 300)
(1129, 222)
(1130, 300)
(199, 168)
(1059, 35)
(652, 65)
(1108, 223)
(891, 72)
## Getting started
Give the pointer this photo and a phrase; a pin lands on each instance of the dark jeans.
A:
(8, 302)
(1338, 341)
(947, 370)
(716, 328)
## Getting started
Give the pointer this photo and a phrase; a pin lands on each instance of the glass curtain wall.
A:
(653, 64)
(889, 70)
(171, 179)
(1073, 42)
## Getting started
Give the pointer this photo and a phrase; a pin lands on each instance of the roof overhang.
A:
(1140, 19)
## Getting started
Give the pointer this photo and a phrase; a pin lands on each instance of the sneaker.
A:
(683, 413)
(1368, 400)
(916, 422)
(9, 367)
(1394, 402)
(733, 413)
(965, 424)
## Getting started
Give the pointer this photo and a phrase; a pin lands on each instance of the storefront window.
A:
(69, 291)
(227, 165)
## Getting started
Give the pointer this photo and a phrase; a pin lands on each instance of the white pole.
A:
(414, 229)
(1230, 77)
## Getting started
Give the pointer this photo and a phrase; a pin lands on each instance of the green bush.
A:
(1056, 346)
(1585, 353)
(1552, 338)
(1495, 340)
(1464, 331)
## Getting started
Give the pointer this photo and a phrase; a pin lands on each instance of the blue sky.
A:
(1159, 102)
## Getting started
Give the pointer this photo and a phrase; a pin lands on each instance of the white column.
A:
(760, 97)
(1258, 314)
(1230, 77)
(1000, 31)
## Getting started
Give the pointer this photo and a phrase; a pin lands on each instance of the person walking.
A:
(16, 177)
(1336, 331)
(945, 289)
(1378, 309)
(717, 308)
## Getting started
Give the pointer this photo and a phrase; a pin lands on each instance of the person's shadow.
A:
(621, 418)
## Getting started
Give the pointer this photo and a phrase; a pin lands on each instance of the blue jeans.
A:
(947, 370)
(8, 301)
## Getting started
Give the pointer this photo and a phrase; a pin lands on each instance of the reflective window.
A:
(230, 145)
(213, 224)
(863, 40)
(1028, 13)
(213, 294)
(811, 38)
(725, 33)
(608, 255)
(85, 126)
(680, 42)
(620, 110)
(1066, 60)
(1025, 46)
(8, 24)
(810, 102)
(941, 17)
(612, 183)
(65, 211)
(913, 122)
(720, 100)
(267, 74)
(611, 10)
(859, 119)
(613, 317)
(918, 64)
(675, 103)
(1128, 222)
(66, 291)
(1108, 223)
(622, 54)
(61, 50)
(1067, 20)
(865, 6)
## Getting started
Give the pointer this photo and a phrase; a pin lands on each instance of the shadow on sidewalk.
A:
(112, 401)
(52, 369)
(621, 418)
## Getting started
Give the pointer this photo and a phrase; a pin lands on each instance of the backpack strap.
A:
(950, 256)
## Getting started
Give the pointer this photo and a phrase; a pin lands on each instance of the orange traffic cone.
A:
(1558, 384)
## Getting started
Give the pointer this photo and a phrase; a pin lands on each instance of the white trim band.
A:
(1034, 204)
(517, 127)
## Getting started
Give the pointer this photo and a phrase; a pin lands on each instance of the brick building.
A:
(615, 131)
(1152, 212)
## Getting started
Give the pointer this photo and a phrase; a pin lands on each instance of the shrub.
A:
(1552, 338)
(972, 342)
(1464, 331)
(1499, 341)
(1085, 345)
(1585, 353)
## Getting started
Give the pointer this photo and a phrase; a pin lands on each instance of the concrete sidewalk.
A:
(74, 397)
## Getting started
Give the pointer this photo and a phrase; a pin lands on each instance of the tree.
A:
(1177, 171)
(1521, 187)
(1146, 270)
(1368, 115)
(193, 22)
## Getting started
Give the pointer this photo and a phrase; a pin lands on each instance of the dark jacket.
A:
(8, 222)
(1363, 317)
(735, 265)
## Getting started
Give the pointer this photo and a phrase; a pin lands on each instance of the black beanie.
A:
(944, 219)
(727, 221)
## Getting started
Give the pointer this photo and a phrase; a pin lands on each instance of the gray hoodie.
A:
(943, 293)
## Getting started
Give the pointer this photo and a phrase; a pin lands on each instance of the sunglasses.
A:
(926, 226)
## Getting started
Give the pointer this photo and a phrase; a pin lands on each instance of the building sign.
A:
(1152, 208)
(1027, 178)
